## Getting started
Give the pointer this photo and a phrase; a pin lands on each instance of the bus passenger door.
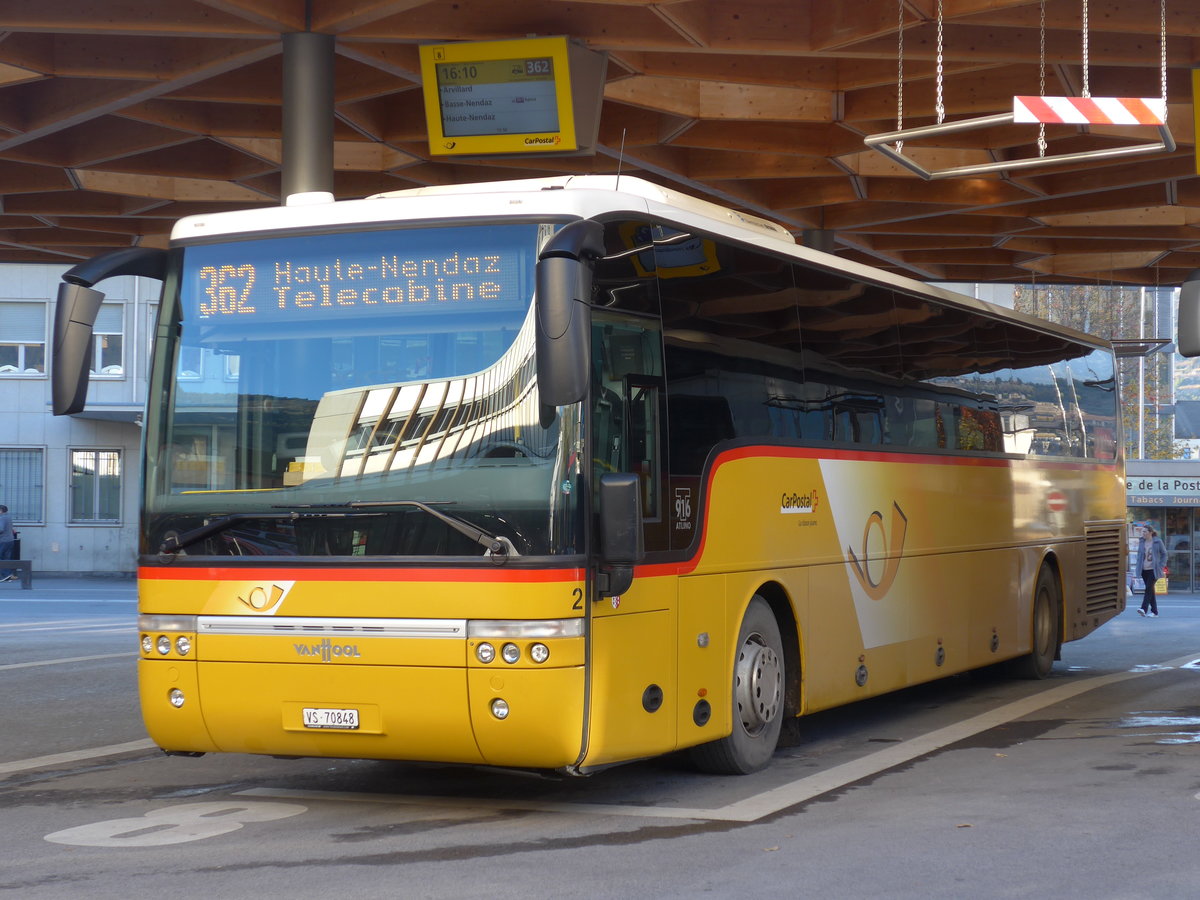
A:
(633, 654)
(628, 411)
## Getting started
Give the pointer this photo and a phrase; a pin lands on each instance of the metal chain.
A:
(940, 106)
(1162, 41)
(1086, 90)
(900, 74)
(1041, 141)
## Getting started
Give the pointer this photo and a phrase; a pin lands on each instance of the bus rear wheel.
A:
(758, 698)
(1047, 612)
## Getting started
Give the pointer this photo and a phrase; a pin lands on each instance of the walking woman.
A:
(1152, 559)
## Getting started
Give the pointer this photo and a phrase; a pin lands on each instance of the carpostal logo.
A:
(794, 502)
(328, 651)
(543, 141)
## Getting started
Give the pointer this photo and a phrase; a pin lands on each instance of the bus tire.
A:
(1044, 628)
(758, 698)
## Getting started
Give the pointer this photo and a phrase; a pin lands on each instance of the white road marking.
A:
(62, 624)
(58, 759)
(65, 660)
(772, 801)
(175, 824)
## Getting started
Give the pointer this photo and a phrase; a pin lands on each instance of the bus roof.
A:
(569, 195)
(559, 199)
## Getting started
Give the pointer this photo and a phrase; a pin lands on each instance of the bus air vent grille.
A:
(1105, 544)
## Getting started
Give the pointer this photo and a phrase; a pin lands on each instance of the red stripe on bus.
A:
(477, 576)
(548, 576)
(928, 459)
(686, 566)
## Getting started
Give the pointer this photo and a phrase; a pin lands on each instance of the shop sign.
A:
(1157, 490)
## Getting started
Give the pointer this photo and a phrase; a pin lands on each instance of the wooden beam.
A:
(722, 100)
(164, 187)
(65, 108)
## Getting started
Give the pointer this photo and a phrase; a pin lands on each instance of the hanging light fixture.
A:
(1083, 110)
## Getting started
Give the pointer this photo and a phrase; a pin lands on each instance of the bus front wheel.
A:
(758, 695)
(1047, 612)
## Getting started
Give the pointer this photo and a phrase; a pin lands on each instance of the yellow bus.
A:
(563, 473)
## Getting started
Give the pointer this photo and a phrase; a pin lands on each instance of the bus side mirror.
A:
(564, 290)
(75, 316)
(621, 546)
(1188, 334)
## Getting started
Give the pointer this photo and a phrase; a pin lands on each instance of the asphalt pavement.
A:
(73, 587)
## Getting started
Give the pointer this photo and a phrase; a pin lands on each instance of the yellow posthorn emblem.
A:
(874, 589)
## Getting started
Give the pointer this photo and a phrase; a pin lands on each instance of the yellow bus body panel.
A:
(417, 698)
(886, 570)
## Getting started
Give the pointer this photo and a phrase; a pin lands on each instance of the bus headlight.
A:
(500, 708)
(511, 653)
(485, 652)
(176, 697)
(539, 653)
(147, 644)
(164, 644)
(183, 645)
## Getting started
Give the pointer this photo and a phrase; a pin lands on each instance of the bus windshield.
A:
(364, 392)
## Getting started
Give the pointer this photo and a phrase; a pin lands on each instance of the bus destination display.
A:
(498, 96)
(315, 278)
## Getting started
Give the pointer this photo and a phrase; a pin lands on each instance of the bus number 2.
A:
(578, 595)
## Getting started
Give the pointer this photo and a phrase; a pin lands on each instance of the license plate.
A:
(325, 717)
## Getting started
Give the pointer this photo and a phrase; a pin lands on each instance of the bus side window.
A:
(644, 456)
(697, 423)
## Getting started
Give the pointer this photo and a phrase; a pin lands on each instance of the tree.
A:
(1115, 312)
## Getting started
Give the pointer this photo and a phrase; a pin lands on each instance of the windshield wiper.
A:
(176, 542)
(498, 546)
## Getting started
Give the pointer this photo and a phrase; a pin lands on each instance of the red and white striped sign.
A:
(1056, 501)
(1091, 110)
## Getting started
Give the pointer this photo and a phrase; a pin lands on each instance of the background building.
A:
(71, 482)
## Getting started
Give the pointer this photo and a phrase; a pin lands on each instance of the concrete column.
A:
(818, 239)
(307, 113)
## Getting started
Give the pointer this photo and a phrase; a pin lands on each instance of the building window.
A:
(21, 483)
(108, 340)
(95, 486)
(22, 338)
(191, 364)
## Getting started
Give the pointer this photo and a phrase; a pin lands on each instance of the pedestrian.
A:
(1151, 560)
(8, 538)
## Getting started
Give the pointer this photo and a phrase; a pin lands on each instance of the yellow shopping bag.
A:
(1160, 586)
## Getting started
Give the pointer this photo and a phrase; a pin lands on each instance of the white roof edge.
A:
(584, 195)
(620, 184)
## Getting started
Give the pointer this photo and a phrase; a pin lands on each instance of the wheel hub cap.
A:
(759, 684)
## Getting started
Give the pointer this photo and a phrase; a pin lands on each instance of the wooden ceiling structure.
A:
(118, 117)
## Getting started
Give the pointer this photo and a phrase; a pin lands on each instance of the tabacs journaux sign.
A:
(1162, 490)
(511, 98)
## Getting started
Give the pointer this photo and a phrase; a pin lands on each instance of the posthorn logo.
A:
(888, 551)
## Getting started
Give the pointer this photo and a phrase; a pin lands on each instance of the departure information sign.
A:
(498, 96)
(537, 95)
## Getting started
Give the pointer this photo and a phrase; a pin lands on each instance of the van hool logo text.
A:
(798, 503)
(328, 651)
